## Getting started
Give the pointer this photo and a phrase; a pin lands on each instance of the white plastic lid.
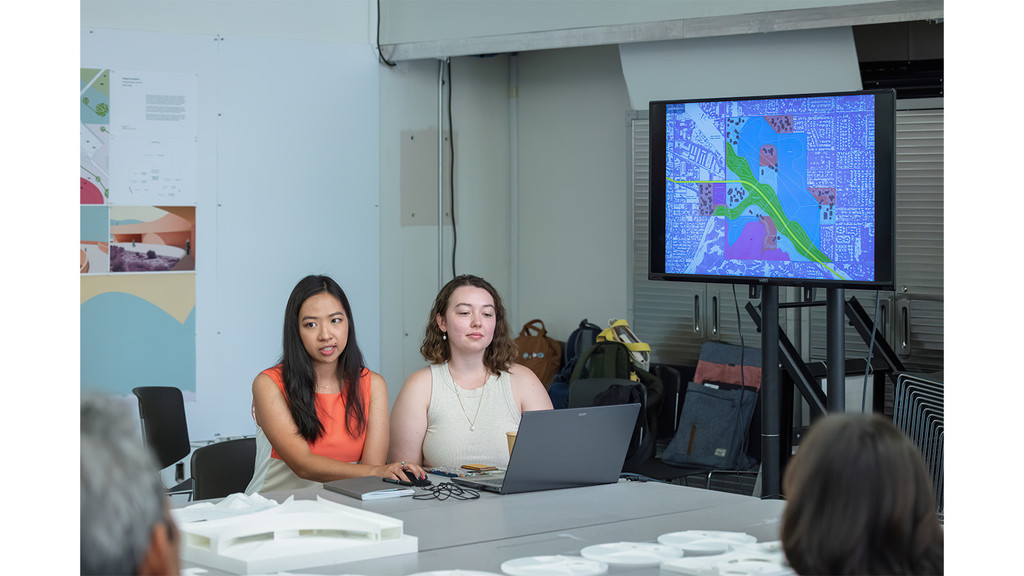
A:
(554, 565)
(631, 553)
(456, 573)
(705, 542)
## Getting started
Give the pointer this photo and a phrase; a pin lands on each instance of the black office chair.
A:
(672, 388)
(591, 392)
(584, 391)
(222, 468)
(162, 410)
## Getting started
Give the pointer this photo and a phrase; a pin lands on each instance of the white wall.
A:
(296, 195)
(409, 248)
(573, 184)
(567, 220)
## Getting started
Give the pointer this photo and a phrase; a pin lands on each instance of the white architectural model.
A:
(293, 535)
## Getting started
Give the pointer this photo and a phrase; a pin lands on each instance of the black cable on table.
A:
(446, 490)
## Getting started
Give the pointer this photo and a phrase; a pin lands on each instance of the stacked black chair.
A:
(222, 468)
(164, 429)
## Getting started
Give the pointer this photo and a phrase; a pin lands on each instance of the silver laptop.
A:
(563, 449)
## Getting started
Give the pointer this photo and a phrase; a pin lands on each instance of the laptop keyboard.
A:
(495, 481)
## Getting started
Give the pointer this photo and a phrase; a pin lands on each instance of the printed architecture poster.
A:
(138, 230)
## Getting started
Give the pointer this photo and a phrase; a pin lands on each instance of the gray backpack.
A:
(713, 428)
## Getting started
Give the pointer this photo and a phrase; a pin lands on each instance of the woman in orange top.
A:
(322, 415)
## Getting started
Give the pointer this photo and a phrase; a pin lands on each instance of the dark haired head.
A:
(860, 501)
(502, 351)
(297, 366)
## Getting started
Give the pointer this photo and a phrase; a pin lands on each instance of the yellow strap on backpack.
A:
(619, 331)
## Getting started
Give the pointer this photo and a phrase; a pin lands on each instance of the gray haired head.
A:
(122, 495)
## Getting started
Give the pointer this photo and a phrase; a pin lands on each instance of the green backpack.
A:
(605, 359)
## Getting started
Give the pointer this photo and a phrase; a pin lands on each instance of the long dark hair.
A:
(860, 501)
(297, 367)
(499, 355)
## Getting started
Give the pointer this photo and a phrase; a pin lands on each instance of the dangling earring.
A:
(444, 335)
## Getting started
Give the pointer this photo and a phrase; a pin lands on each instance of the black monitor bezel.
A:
(885, 197)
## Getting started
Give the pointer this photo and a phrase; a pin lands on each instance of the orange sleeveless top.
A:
(336, 441)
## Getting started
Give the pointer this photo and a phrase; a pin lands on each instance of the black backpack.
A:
(611, 359)
(581, 339)
(641, 444)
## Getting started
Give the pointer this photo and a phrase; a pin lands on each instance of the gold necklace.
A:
(326, 389)
(472, 423)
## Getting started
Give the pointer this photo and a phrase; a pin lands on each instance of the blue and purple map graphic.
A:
(771, 188)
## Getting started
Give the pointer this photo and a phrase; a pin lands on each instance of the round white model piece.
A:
(728, 564)
(770, 547)
(555, 565)
(456, 573)
(705, 542)
(631, 553)
(754, 568)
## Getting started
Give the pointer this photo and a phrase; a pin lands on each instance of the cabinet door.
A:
(727, 315)
(672, 317)
(918, 316)
(877, 305)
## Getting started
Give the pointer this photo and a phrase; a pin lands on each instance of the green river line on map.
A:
(764, 197)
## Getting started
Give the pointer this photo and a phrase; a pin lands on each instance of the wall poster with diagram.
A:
(138, 247)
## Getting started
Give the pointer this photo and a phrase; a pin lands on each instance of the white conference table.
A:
(478, 535)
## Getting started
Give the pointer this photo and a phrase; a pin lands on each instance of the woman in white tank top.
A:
(457, 410)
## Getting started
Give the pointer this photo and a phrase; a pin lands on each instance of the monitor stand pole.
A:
(771, 388)
(771, 393)
(835, 310)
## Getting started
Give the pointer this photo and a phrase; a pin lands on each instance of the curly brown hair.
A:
(502, 351)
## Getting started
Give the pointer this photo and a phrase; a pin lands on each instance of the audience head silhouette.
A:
(860, 501)
(125, 523)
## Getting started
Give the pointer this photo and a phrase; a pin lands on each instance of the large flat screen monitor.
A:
(787, 190)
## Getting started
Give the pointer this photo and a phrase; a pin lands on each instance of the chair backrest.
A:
(162, 411)
(919, 412)
(671, 398)
(583, 392)
(222, 468)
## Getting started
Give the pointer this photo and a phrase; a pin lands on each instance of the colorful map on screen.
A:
(771, 188)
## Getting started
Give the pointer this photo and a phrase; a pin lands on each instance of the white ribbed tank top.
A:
(450, 442)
